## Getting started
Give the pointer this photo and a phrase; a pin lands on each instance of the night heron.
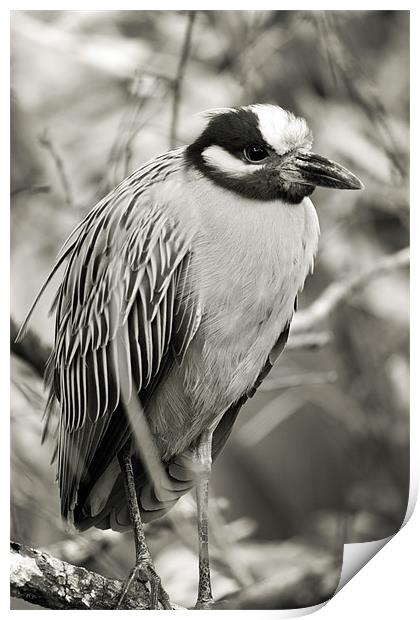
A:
(177, 297)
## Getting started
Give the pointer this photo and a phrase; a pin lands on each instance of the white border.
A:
(387, 585)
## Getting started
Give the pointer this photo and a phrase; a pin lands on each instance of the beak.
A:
(310, 169)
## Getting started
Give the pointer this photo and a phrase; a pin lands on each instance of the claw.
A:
(146, 572)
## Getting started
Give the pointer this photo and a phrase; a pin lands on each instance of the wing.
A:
(126, 287)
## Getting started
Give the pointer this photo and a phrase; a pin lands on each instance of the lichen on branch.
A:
(41, 579)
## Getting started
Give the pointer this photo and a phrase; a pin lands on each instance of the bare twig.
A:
(140, 100)
(337, 292)
(310, 341)
(42, 188)
(269, 417)
(31, 349)
(177, 83)
(132, 121)
(305, 378)
(346, 67)
(47, 143)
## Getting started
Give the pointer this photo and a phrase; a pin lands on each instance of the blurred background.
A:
(320, 455)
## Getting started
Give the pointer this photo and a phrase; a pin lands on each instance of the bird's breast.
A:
(250, 259)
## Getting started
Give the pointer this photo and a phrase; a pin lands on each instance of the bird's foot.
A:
(146, 572)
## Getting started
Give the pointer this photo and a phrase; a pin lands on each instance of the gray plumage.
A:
(196, 281)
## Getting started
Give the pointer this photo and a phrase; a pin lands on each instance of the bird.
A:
(177, 296)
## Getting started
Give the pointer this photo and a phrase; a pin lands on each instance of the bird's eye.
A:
(255, 153)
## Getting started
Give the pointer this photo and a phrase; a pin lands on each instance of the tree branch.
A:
(47, 143)
(297, 380)
(30, 349)
(310, 341)
(41, 579)
(177, 83)
(339, 291)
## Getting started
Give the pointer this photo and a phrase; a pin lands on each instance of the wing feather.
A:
(126, 290)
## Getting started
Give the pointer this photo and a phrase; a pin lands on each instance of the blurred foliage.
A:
(93, 98)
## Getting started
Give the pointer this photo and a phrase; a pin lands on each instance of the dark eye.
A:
(255, 153)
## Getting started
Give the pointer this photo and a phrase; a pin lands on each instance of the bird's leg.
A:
(203, 456)
(144, 567)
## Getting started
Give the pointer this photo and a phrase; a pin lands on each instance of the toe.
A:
(146, 573)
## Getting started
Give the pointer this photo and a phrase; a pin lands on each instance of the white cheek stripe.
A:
(222, 160)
